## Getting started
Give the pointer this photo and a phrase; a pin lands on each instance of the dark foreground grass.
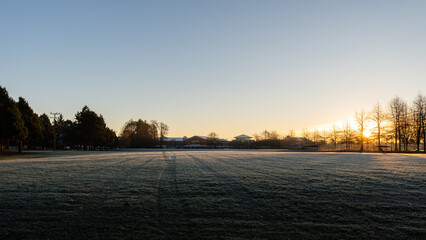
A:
(13, 155)
(214, 195)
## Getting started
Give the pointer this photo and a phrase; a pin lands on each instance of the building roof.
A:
(295, 138)
(202, 137)
(242, 136)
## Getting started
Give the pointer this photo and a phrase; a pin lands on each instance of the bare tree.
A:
(212, 135)
(305, 133)
(292, 133)
(335, 135)
(405, 126)
(212, 138)
(395, 112)
(347, 135)
(316, 135)
(164, 130)
(257, 137)
(155, 127)
(265, 135)
(419, 119)
(378, 116)
(360, 118)
(324, 137)
(274, 135)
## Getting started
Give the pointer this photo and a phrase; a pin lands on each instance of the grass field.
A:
(214, 195)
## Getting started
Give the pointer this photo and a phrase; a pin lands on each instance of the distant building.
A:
(243, 138)
(173, 142)
(196, 142)
(296, 140)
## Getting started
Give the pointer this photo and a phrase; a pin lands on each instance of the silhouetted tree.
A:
(12, 126)
(334, 135)
(138, 134)
(269, 139)
(405, 126)
(32, 123)
(212, 138)
(164, 130)
(154, 129)
(265, 135)
(395, 114)
(348, 135)
(361, 118)
(419, 120)
(46, 131)
(68, 133)
(378, 116)
(90, 127)
(316, 136)
(306, 134)
(111, 138)
(257, 137)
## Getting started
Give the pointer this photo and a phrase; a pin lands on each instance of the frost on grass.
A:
(214, 194)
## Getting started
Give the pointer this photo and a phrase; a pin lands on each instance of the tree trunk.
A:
(1, 147)
(418, 140)
(396, 140)
(400, 142)
(378, 135)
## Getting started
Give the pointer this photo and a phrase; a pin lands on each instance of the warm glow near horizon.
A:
(367, 133)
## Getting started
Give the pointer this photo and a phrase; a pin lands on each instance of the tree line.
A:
(398, 123)
(396, 126)
(21, 126)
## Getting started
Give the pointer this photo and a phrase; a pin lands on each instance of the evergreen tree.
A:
(46, 131)
(12, 126)
(90, 128)
(32, 123)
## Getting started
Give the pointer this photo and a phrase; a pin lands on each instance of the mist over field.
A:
(214, 194)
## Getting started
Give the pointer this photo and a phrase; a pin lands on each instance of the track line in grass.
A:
(236, 190)
(173, 218)
(127, 175)
(159, 197)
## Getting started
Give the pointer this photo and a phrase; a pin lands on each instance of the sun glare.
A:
(367, 133)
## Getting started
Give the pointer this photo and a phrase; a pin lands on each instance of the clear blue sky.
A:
(226, 66)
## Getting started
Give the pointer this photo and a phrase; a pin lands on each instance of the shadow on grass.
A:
(36, 154)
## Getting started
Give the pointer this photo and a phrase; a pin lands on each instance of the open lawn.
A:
(214, 194)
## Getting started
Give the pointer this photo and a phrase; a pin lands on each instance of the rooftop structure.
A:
(242, 137)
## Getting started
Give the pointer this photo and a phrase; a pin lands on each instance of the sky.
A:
(230, 67)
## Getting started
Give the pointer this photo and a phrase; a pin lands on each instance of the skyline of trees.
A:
(21, 126)
(398, 123)
(12, 126)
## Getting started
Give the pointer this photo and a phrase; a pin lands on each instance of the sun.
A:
(367, 133)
